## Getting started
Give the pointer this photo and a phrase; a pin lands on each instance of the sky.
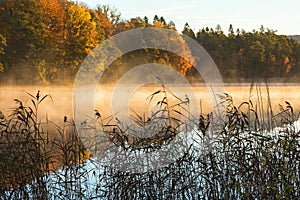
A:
(282, 16)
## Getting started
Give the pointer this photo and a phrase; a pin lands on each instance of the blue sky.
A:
(280, 15)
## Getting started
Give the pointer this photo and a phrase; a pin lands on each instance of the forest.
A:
(45, 42)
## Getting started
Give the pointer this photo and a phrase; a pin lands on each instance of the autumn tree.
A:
(111, 13)
(154, 55)
(71, 35)
(105, 26)
(80, 37)
(54, 19)
(23, 28)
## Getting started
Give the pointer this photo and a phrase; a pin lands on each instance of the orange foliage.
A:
(123, 26)
(286, 60)
(287, 65)
(54, 15)
(158, 25)
(104, 23)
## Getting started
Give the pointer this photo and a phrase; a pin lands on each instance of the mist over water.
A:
(62, 97)
(54, 110)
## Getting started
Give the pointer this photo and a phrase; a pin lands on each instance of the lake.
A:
(62, 97)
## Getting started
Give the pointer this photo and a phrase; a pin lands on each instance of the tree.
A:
(138, 22)
(171, 25)
(80, 37)
(2, 52)
(112, 14)
(54, 19)
(163, 21)
(146, 20)
(257, 59)
(22, 26)
(218, 30)
(231, 31)
(123, 26)
(104, 25)
(72, 32)
(155, 19)
(188, 31)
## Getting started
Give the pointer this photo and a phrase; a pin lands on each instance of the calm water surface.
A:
(63, 97)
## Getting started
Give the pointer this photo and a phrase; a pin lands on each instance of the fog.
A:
(62, 97)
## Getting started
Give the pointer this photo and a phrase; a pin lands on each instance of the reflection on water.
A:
(62, 98)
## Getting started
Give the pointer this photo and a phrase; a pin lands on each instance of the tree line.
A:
(245, 56)
(45, 41)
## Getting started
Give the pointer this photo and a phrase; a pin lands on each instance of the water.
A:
(63, 97)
